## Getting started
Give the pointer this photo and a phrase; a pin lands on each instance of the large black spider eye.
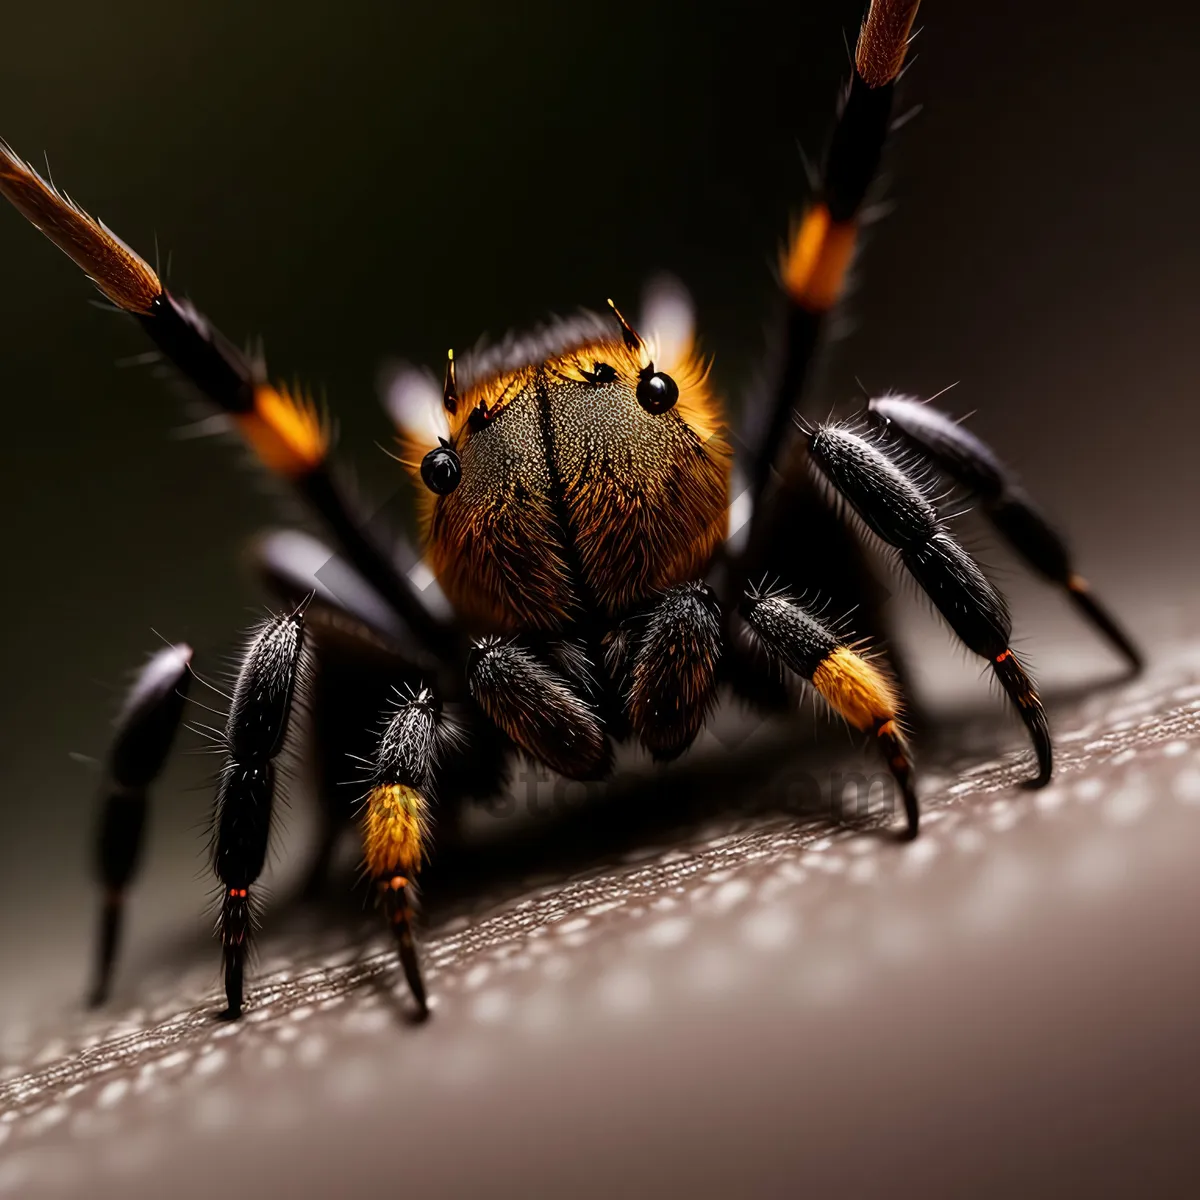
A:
(441, 470)
(658, 392)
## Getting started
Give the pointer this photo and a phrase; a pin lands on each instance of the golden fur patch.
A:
(394, 829)
(856, 689)
(285, 431)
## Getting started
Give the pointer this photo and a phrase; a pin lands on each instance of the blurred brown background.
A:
(358, 181)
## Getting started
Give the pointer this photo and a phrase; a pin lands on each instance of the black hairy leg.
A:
(288, 438)
(853, 686)
(254, 734)
(360, 652)
(146, 729)
(962, 457)
(361, 656)
(284, 430)
(813, 277)
(395, 819)
(822, 246)
(667, 659)
(538, 709)
(897, 511)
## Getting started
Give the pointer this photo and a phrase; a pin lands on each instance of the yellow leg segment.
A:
(394, 832)
(866, 698)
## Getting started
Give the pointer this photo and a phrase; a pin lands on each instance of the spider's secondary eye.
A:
(658, 392)
(441, 470)
(601, 372)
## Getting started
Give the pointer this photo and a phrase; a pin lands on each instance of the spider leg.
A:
(395, 819)
(254, 735)
(360, 651)
(668, 660)
(284, 431)
(145, 731)
(360, 654)
(898, 512)
(960, 455)
(781, 493)
(412, 758)
(851, 684)
(537, 708)
(822, 246)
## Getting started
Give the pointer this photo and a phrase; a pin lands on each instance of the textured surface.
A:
(768, 993)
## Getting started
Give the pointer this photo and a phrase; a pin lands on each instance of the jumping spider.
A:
(576, 490)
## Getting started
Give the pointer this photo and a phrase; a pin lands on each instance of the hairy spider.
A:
(594, 582)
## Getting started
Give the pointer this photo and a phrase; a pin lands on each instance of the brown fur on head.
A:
(573, 497)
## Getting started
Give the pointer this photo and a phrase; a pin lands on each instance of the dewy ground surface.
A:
(759, 1003)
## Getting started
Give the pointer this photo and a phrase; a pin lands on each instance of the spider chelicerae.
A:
(597, 560)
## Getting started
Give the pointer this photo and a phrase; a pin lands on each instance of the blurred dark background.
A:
(359, 181)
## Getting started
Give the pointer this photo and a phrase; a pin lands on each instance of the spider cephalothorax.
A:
(585, 481)
(575, 494)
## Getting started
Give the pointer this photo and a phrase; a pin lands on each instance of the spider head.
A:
(579, 470)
